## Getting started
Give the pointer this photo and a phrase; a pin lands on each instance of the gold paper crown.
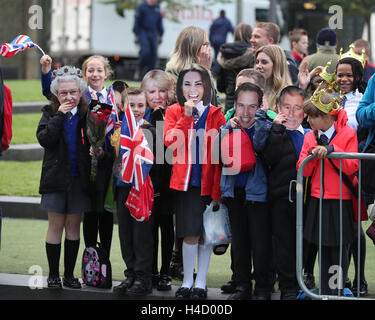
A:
(351, 54)
(327, 77)
(332, 107)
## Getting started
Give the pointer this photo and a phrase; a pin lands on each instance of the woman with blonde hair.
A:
(271, 61)
(192, 46)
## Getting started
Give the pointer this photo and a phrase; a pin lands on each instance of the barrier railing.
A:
(299, 224)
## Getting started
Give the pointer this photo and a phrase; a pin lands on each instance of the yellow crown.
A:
(328, 77)
(332, 107)
(351, 54)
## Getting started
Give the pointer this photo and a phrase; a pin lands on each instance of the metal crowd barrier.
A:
(299, 225)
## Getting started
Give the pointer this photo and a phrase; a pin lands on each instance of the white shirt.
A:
(74, 111)
(329, 133)
(104, 93)
(351, 105)
(200, 107)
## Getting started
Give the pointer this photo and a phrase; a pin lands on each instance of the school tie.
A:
(324, 139)
(98, 94)
(69, 115)
(342, 101)
(195, 115)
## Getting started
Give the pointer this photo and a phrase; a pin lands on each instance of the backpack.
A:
(96, 267)
(6, 136)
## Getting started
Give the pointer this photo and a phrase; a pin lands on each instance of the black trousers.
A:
(164, 221)
(136, 240)
(283, 216)
(97, 221)
(251, 235)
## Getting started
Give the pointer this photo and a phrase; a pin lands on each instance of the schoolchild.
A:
(190, 127)
(136, 240)
(245, 195)
(64, 182)
(159, 87)
(330, 132)
(281, 154)
(96, 70)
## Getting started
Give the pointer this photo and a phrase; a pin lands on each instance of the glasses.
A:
(65, 93)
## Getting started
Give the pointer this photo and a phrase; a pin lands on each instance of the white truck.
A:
(81, 28)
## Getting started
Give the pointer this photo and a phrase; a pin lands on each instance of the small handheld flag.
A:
(20, 43)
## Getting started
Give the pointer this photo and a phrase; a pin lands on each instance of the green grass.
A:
(20, 178)
(31, 90)
(24, 128)
(18, 255)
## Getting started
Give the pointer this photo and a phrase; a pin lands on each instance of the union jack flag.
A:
(20, 43)
(137, 158)
(112, 119)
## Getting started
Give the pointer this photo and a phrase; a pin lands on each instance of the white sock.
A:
(189, 257)
(204, 255)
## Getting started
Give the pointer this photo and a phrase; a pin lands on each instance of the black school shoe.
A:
(124, 285)
(183, 293)
(198, 294)
(140, 288)
(72, 283)
(54, 283)
(165, 283)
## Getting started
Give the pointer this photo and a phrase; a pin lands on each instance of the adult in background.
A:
(64, 182)
(232, 58)
(219, 29)
(299, 41)
(148, 29)
(266, 33)
(326, 42)
(368, 69)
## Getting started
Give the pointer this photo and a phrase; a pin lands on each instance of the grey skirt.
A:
(190, 206)
(72, 201)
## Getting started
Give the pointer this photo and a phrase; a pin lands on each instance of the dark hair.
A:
(247, 86)
(119, 86)
(357, 69)
(205, 79)
(290, 90)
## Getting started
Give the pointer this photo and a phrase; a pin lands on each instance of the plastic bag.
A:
(216, 226)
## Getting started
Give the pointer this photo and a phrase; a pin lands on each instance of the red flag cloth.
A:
(140, 202)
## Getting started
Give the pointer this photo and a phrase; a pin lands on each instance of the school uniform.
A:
(136, 239)
(245, 195)
(196, 182)
(341, 138)
(281, 155)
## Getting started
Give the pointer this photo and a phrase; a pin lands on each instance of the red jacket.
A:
(344, 141)
(178, 136)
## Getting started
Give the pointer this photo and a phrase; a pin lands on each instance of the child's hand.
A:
(66, 107)
(320, 152)
(118, 124)
(46, 62)
(189, 106)
(93, 95)
(234, 122)
(281, 118)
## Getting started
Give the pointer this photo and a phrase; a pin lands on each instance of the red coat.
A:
(178, 136)
(344, 141)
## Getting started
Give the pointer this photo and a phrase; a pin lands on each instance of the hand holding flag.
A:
(137, 160)
(20, 43)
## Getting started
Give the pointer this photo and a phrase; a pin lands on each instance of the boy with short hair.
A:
(299, 42)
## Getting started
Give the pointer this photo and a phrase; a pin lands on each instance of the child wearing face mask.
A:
(195, 177)
(281, 154)
(96, 70)
(245, 195)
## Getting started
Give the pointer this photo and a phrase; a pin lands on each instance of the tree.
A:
(362, 8)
